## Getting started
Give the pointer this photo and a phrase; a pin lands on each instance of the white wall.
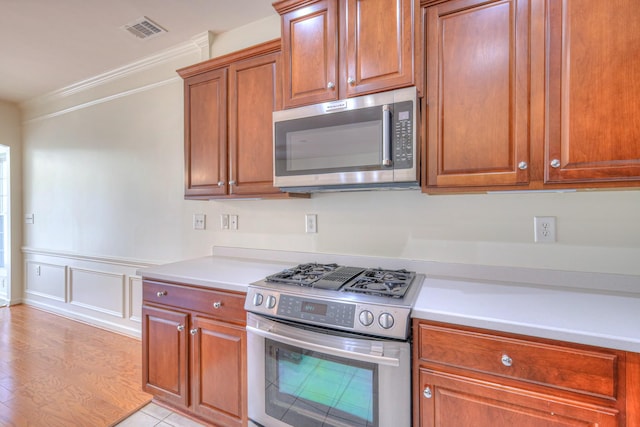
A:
(10, 135)
(103, 174)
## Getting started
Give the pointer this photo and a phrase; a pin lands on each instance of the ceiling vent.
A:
(144, 28)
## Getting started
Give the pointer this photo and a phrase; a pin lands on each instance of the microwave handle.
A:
(386, 135)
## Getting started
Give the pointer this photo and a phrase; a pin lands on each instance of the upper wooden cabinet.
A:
(340, 48)
(592, 93)
(228, 105)
(476, 93)
(531, 94)
(205, 134)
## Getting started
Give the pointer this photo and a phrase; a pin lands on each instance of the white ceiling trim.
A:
(103, 100)
(196, 44)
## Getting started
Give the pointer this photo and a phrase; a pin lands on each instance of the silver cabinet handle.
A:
(386, 135)
(506, 360)
(180, 328)
(232, 182)
(351, 81)
(555, 163)
(427, 393)
(523, 165)
(217, 304)
(193, 331)
(161, 293)
(220, 183)
(331, 85)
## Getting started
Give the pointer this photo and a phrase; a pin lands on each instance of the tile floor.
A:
(153, 415)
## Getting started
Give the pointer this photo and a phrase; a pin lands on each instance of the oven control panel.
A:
(372, 319)
(329, 313)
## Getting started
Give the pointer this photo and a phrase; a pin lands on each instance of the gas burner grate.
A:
(379, 282)
(303, 274)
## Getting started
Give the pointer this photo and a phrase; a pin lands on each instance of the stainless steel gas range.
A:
(328, 345)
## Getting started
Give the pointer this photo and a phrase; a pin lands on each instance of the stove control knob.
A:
(257, 299)
(271, 301)
(386, 320)
(366, 317)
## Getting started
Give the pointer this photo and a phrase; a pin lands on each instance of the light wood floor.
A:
(58, 372)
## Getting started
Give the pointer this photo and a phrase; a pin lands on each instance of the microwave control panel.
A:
(403, 135)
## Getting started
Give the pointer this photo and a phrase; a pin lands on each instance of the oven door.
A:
(304, 376)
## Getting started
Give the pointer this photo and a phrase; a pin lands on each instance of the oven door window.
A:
(308, 388)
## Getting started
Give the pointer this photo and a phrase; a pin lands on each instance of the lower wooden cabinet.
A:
(194, 351)
(469, 377)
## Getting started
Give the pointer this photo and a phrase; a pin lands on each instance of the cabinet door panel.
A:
(219, 371)
(164, 354)
(254, 93)
(310, 52)
(379, 45)
(477, 93)
(593, 93)
(206, 134)
(461, 401)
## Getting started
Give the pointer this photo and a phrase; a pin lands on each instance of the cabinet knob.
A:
(555, 163)
(427, 393)
(161, 293)
(523, 165)
(351, 81)
(506, 360)
(331, 85)
(217, 304)
(220, 183)
(193, 331)
(232, 182)
(180, 328)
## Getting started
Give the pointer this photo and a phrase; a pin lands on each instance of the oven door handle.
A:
(364, 357)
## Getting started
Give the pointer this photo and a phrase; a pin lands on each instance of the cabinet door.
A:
(477, 94)
(254, 93)
(219, 371)
(377, 47)
(448, 400)
(593, 91)
(164, 354)
(310, 53)
(205, 139)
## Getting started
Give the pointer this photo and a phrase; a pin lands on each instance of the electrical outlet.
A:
(233, 222)
(544, 229)
(224, 221)
(199, 221)
(311, 223)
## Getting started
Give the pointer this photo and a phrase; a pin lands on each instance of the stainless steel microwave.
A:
(367, 142)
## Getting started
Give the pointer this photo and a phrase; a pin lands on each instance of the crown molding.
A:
(195, 44)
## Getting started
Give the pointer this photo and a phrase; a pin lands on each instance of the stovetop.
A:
(372, 301)
(372, 281)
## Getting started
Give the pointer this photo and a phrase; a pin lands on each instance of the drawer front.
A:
(224, 305)
(590, 372)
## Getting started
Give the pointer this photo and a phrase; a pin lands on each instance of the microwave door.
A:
(347, 147)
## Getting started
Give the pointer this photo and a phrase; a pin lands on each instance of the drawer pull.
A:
(161, 293)
(193, 331)
(506, 360)
(180, 328)
(427, 393)
(217, 304)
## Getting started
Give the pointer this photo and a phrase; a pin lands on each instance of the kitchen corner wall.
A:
(103, 176)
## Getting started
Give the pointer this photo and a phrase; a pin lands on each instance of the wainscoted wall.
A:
(100, 291)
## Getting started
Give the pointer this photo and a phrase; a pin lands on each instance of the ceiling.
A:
(46, 45)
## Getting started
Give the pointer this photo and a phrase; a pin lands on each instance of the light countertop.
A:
(606, 317)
